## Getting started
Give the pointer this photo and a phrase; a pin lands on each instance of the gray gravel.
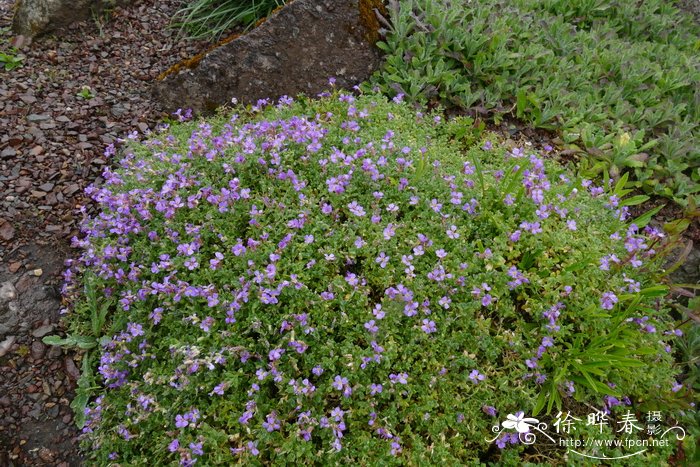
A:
(52, 140)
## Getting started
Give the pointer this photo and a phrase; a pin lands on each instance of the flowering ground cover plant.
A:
(342, 280)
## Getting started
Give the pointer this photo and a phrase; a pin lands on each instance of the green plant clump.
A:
(346, 281)
(620, 79)
(210, 19)
(11, 60)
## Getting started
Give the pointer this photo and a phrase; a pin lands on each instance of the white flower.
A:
(519, 422)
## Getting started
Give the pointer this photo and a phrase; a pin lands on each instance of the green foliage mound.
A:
(349, 281)
(620, 79)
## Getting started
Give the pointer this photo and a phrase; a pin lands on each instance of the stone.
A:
(10, 315)
(7, 231)
(71, 369)
(43, 330)
(37, 350)
(35, 17)
(7, 153)
(37, 117)
(295, 50)
(6, 345)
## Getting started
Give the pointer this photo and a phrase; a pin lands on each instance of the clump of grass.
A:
(350, 281)
(210, 19)
(619, 79)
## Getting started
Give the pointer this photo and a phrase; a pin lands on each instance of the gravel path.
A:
(51, 147)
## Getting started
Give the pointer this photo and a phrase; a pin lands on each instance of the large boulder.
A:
(296, 50)
(35, 17)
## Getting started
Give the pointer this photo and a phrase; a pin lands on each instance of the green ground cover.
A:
(619, 79)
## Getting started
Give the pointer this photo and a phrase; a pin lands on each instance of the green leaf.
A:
(620, 185)
(85, 342)
(634, 200)
(78, 405)
(655, 291)
(69, 341)
(676, 227)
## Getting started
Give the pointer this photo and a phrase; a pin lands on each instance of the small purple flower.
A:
(401, 378)
(174, 445)
(340, 382)
(197, 448)
(356, 209)
(180, 421)
(452, 232)
(608, 301)
(382, 260)
(275, 354)
(489, 410)
(253, 447)
(378, 312)
(371, 326)
(375, 389)
(272, 423)
(475, 376)
(428, 326)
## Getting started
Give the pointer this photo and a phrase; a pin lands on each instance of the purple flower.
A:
(356, 209)
(428, 326)
(197, 448)
(238, 249)
(272, 423)
(340, 382)
(206, 324)
(475, 376)
(180, 421)
(382, 260)
(389, 231)
(337, 414)
(378, 312)
(608, 301)
(401, 378)
(371, 327)
(174, 445)
(275, 354)
(253, 447)
(375, 389)
(489, 410)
